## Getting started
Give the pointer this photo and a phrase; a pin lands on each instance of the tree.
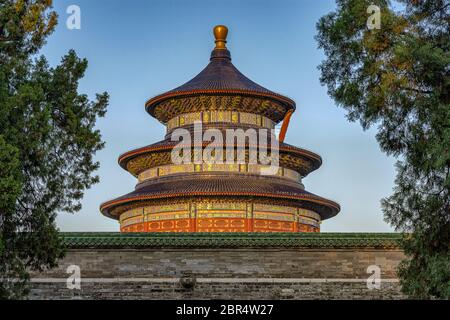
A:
(397, 77)
(47, 142)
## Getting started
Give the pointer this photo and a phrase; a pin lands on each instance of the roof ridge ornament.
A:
(220, 33)
(220, 50)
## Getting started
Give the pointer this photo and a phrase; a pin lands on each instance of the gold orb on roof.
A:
(220, 33)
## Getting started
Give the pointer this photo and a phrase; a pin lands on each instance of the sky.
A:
(140, 48)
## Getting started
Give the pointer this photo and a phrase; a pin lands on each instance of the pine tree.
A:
(47, 142)
(397, 78)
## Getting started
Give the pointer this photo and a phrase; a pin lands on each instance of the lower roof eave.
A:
(106, 207)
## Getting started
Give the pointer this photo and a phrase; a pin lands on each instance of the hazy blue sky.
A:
(140, 48)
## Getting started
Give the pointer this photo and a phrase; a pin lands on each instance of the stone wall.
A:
(222, 273)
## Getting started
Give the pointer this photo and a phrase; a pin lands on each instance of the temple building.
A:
(212, 195)
(208, 228)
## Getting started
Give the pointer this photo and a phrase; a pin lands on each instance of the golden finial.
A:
(220, 33)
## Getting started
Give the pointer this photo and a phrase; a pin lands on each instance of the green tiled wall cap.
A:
(230, 240)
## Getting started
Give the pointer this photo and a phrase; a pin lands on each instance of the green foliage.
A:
(398, 78)
(47, 142)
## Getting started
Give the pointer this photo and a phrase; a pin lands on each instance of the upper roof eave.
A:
(151, 104)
